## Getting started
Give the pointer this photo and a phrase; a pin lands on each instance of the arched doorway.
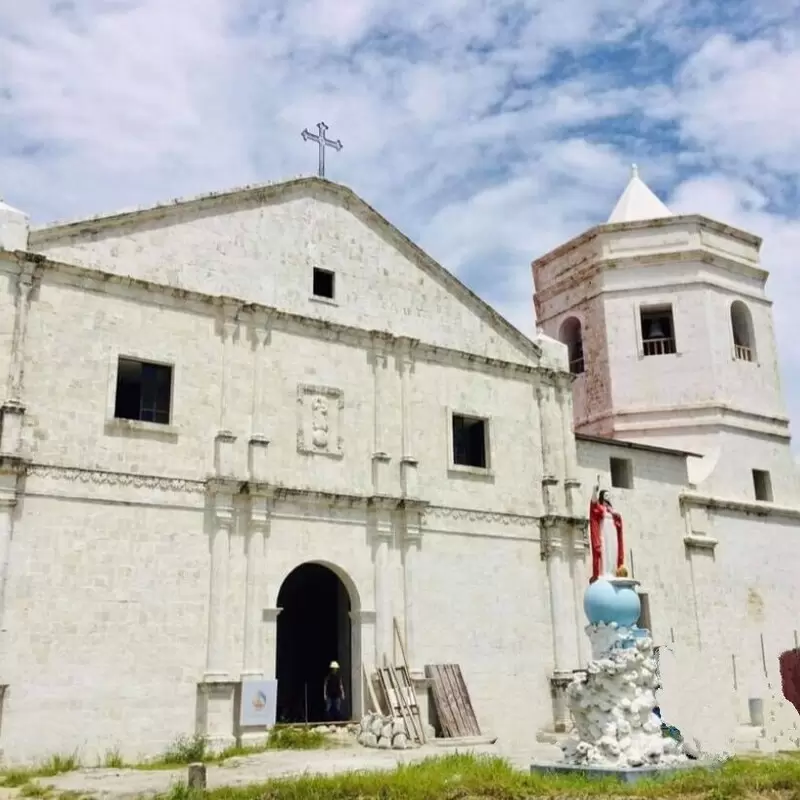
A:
(314, 629)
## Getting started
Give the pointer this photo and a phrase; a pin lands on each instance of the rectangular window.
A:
(144, 391)
(658, 330)
(470, 441)
(324, 283)
(762, 483)
(621, 473)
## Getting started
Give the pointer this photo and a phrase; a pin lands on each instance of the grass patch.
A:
(290, 738)
(113, 759)
(189, 749)
(55, 765)
(461, 777)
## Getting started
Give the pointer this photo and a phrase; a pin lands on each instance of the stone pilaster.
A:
(408, 463)
(255, 549)
(257, 455)
(412, 541)
(556, 554)
(551, 439)
(572, 484)
(381, 456)
(217, 690)
(225, 440)
(8, 501)
(12, 409)
(580, 572)
(27, 280)
(382, 532)
(222, 527)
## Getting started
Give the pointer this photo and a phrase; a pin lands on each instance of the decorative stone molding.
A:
(476, 515)
(108, 478)
(552, 541)
(319, 420)
(700, 542)
(759, 509)
(412, 526)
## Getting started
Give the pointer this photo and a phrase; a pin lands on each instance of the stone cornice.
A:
(253, 196)
(754, 507)
(253, 315)
(666, 222)
(585, 273)
(679, 416)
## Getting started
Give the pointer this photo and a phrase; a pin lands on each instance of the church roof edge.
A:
(651, 448)
(85, 227)
(144, 212)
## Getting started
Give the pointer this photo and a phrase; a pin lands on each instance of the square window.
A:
(324, 283)
(470, 442)
(658, 331)
(144, 391)
(762, 483)
(621, 473)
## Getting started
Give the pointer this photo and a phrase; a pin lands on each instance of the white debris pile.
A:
(612, 704)
(386, 733)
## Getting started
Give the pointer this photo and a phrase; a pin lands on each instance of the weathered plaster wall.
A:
(125, 553)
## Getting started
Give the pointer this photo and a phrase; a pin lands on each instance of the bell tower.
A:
(671, 341)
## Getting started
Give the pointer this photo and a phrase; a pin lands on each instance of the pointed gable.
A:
(262, 244)
(638, 202)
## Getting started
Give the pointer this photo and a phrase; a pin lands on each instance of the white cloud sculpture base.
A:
(612, 704)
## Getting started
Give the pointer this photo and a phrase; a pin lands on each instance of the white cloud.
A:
(490, 132)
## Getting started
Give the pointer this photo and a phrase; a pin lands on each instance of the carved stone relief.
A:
(319, 420)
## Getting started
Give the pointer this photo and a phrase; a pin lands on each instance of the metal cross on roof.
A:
(323, 142)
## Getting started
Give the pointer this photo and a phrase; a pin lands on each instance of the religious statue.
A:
(605, 529)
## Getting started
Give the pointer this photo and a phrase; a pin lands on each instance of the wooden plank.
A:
(455, 700)
(406, 717)
(406, 691)
(387, 693)
(452, 701)
(440, 700)
(465, 699)
(372, 696)
(413, 695)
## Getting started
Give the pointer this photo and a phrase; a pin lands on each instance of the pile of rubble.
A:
(386, 733)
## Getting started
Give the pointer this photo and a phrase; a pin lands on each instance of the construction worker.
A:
(333, 693)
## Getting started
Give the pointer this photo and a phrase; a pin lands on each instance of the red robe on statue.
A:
(596, 513)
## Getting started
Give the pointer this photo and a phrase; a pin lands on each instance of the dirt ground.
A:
(120, 784)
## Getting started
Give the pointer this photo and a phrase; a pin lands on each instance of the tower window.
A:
(470, 442)
(571, 335)
(144, 391)
(658, 331)
(762, 483)
(621, 470)
(744, 347)
(324, 283)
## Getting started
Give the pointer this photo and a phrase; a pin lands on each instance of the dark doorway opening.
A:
(313, 630)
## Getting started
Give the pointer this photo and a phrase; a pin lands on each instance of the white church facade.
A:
(243, 434)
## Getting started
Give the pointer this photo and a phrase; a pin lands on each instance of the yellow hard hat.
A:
(334, 665)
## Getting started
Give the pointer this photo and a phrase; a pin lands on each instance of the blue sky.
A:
(488, 130)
